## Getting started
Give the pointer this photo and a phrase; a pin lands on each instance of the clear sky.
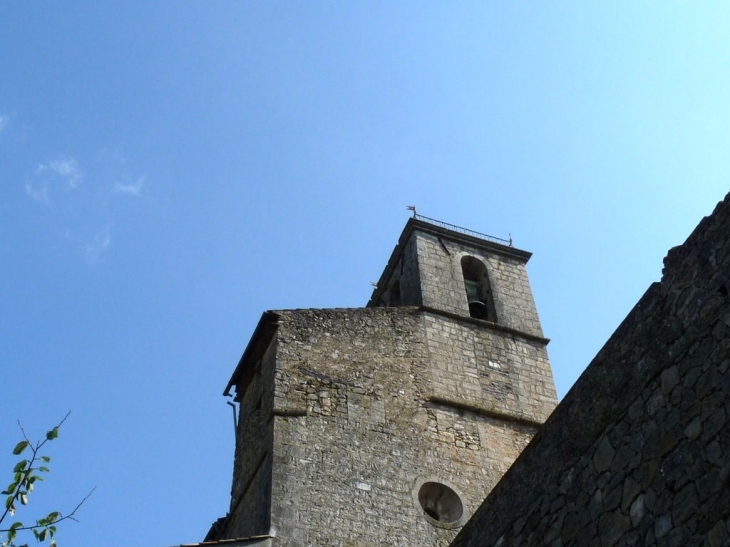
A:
(168, 171)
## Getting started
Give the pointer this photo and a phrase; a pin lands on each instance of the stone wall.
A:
(442, 281)
(638, 452)
(494, 371)
(357, 431)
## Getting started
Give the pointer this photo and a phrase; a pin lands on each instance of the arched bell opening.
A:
(478, 289)
(394, 298)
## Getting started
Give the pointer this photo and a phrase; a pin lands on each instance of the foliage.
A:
(26, 473)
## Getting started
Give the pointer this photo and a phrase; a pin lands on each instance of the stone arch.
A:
(478, 289)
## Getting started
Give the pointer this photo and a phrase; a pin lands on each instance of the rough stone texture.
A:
(638, 452)
(347, 470)
(489, 369)
(345, 413)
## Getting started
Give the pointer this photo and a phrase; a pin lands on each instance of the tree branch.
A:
(29, 468)
(70, 516)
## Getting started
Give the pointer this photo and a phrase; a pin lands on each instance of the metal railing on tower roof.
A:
(461, 230)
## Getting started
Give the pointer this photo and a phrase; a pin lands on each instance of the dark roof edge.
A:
(414, 223)
(265, 329)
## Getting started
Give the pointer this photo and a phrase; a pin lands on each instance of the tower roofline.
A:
(451, 232)
(463, 231)
(256, 347)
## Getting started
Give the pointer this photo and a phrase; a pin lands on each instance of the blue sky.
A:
(171, 170)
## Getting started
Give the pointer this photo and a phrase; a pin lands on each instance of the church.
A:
(389, 424)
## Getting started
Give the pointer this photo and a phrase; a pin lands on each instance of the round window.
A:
(440, 502)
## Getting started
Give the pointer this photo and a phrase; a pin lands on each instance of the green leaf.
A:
(53, 516)
(43, 468)
(21, 446)
(20, 466)
(45, 459)
(23, 499)
(52, 434)
(11, 488)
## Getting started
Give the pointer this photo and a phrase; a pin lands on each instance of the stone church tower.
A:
(389, 424)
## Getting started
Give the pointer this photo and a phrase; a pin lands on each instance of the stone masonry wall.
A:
(495, 371)
(638, 452)
(408, 276)
(356, 432)
(442, 282)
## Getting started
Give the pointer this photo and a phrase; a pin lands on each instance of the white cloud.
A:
(64, 171)
(131, 189)
(38, 191)
(66, 168)
(84, 199)
(100, 243)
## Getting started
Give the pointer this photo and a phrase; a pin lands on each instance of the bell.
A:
(477, 308)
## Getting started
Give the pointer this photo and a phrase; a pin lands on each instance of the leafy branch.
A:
(26, 473)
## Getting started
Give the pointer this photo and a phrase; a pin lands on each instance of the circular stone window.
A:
(441, 504)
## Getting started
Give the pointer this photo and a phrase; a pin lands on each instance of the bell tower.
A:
(482, 320)
(451, 269)
(461, 272)
(389, 424)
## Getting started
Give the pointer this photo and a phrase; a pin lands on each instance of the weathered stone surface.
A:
(670, 378)
(631, 490)
(637, 511)
(603, 455)
(662, 526)
(718, 535)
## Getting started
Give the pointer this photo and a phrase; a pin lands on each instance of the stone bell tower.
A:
(388, 425)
